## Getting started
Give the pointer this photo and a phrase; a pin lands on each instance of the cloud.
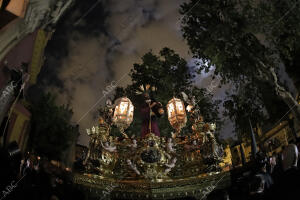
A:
(84, 59)
(92, 61)
(204, 80)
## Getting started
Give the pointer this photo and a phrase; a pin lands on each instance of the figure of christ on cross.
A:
(150, 111)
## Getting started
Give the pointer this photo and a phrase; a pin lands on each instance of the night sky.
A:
(97, 43)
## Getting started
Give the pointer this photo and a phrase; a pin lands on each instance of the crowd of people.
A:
(267, 177)
(36, 178)
(33, 177)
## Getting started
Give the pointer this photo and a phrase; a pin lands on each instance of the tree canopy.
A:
(242, 107)
(171, 75)
(258, 104)
(247, 42)
(51, 132)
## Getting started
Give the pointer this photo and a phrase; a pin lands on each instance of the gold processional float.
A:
(152, 167)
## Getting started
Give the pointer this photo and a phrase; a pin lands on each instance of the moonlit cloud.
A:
(132, 28)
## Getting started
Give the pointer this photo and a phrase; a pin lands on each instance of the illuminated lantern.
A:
(123, 114)
(176, 114)
(189, 108)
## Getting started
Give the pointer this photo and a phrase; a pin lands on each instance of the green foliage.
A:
(242, 106)
(275, 106)
(235, 35)
(208, 108)
(170, 74)
(243, 40)
(215, 32)
(51, 132)
(259, 104)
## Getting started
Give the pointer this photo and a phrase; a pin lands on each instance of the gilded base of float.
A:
(100, 188)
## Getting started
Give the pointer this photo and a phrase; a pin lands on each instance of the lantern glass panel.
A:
(123, 114)
(130, 111)
(123, 108)
(171, 110)
(176, 113)
(179, 107)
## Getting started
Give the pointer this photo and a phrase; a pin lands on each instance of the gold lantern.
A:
(176, 114)
(123, 114)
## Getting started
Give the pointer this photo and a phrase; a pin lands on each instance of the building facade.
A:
(25, 28)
